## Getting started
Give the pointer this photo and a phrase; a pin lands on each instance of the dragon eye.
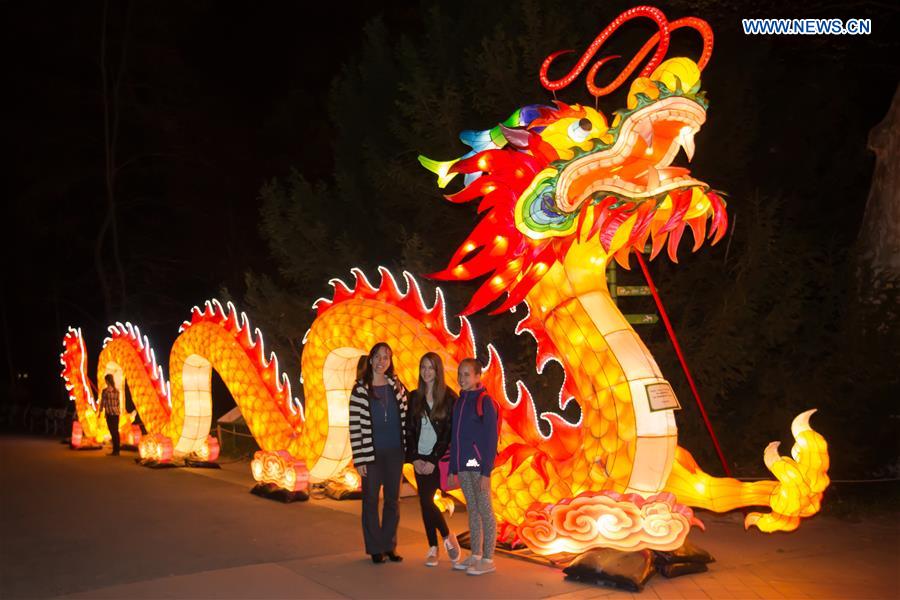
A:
(548, 205)
(580, 129)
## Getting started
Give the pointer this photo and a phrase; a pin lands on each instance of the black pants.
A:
(112, 422)
(383, 473)
(431, 514)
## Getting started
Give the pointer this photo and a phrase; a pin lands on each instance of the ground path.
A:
(82, 524)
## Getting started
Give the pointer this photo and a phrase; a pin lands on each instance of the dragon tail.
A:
(74, 373)
(796, 493)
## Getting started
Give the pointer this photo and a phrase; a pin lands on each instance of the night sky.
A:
(223, 96)
(229, 96)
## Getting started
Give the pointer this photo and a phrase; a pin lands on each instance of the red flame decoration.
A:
(276, 382)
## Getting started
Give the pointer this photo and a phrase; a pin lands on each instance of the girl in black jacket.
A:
(427, 440)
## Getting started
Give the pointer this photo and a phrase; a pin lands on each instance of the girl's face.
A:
(468, 378)
(426, 371)
(381, 361)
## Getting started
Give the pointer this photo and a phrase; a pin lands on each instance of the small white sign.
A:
(661, 397)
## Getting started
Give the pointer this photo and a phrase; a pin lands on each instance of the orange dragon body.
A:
(562, 192)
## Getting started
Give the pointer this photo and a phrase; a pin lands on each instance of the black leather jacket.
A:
(441, 428)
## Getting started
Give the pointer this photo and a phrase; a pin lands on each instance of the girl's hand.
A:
(361, 469)
(428, 467)
(419, 466)
(486, 484)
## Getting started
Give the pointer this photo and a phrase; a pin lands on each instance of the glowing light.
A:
(156, 447)
(351, 479)
(281, 469)
(444, 503)
(608, 520)
(77, 434)
(177, 414)
(133, 435)
(209, 451)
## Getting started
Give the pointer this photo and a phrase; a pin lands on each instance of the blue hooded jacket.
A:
(473, 445)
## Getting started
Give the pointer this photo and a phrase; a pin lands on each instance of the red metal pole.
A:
(687, 372)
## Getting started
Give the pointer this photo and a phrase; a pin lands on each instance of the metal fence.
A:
(40, 420)
(235, 440)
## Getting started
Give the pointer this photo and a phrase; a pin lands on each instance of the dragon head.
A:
(551, 176)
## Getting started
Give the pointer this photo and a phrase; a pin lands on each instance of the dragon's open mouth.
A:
(638, 164)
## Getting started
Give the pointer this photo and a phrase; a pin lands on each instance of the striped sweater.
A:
(361, 442)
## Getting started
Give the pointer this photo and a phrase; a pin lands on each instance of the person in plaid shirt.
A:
(109, 404)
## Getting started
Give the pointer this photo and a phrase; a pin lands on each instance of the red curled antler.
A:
(699, 25)
(661, 39)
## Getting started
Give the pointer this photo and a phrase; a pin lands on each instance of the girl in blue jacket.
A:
(473, 448)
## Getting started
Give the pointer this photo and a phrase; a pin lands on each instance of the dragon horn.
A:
(441, 168)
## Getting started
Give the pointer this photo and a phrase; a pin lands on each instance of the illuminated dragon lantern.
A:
(563, 191)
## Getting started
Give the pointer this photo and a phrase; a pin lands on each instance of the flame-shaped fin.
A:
(681, 202)
(698, 228)
(441, 168)
(674, 240)
(719, 217)
(410, 301)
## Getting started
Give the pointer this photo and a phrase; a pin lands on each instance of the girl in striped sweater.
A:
(378, 407)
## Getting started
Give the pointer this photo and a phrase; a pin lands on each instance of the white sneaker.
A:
(485, 565)
(431, 559)
(465, 564)
(451, 545)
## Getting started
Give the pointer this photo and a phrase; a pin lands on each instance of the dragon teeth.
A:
(652, 178)
(686, 137)
(645, 130)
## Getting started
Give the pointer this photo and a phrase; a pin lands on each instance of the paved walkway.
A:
(84, 525)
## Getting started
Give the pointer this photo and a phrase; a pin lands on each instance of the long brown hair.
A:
(369, 372)
(442, 396)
